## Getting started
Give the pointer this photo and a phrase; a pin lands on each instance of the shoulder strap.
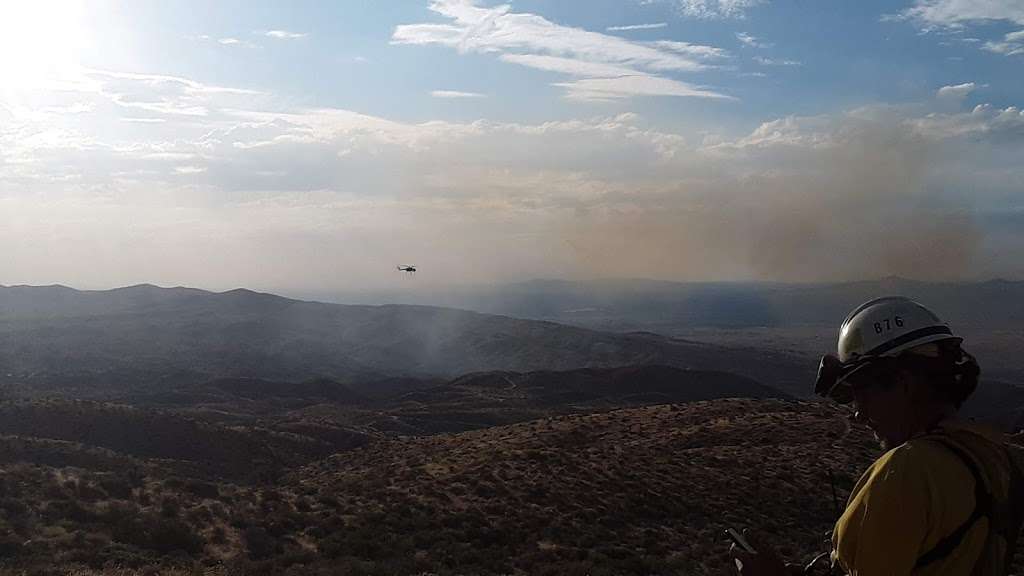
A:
(1015, 505)
(982, 508)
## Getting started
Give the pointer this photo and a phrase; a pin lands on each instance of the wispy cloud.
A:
(956, 92)
(159, 95)
(455, 94)
(751, 41)
(230, 41)
(531, 40)
(776, 61)
(282, 34)
(227, 41)
(652, 26)
(570, 66)
(958, 13)
(1012, 44)
(605, 89)
(714, 9)
(984, 120)
(697, 51)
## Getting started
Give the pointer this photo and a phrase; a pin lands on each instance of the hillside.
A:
(325, 409)
(178, 443)
(795, 320)
(89, 343)
(631, 491)
(485, 399)
(645, 490)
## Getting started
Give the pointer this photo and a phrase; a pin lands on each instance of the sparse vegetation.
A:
(641, 490)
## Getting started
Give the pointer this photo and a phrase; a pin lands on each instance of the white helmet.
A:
(882, 328)
(887, 327)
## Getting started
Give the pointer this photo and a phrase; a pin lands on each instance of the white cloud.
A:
(570, 66)
(652, 26)
(490, 30)
(714, 9)
(776, 62)
(283, 34)
(698, 51)
(531, 40)
(813, 132)
(604, 89)
(158, 94)
(956, 92)
(1012, 44)
(235, 42)
(831, 131)
(984, 120)
(455, 94)
(751, 41)
(957, 13)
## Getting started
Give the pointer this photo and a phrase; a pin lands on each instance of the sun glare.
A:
(40, 40)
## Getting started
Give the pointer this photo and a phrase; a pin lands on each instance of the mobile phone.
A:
(740, 540)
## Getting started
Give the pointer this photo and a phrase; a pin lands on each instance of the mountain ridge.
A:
(240, 333)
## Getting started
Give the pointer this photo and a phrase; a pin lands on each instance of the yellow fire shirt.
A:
(915, 495)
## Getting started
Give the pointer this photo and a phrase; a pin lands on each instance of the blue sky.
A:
(848, 55)
(313, 144)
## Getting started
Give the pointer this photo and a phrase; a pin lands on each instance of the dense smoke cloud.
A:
(801, 201)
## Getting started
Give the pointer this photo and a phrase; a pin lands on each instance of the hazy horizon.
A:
(294, 149)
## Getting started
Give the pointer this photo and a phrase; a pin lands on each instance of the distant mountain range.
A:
(793, 319)
(141, 340)
(994, 304)
(145, 337)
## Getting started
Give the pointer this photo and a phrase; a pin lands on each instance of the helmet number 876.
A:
(887, 324)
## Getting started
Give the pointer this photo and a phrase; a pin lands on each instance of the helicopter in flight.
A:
(407, 269)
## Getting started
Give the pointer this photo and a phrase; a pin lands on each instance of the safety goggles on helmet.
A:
(870, 338)
(837, 379)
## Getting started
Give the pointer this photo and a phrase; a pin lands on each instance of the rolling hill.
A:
(630, 491)
(144, 338)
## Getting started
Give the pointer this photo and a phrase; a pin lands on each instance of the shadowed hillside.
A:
(643, 490)
(632, 491)
(638, 491)
(486, 399)
(326, 409)
(139, 338)
(179, 443)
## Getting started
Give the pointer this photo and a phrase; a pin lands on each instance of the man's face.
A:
(885, 409)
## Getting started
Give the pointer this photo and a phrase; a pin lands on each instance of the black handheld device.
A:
(740, 540)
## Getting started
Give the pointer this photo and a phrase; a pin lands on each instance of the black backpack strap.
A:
(982, 509)
(1015, 507)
